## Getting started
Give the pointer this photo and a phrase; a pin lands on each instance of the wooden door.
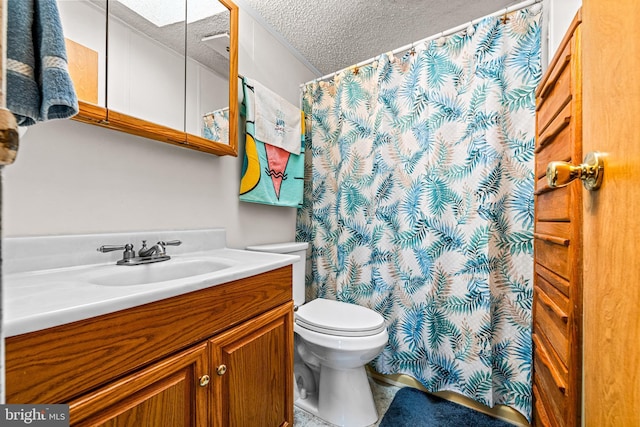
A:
(254, 364)
(611, 117)
(557, 303)
(166, 394)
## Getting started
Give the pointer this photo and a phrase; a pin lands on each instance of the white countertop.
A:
(35, 300)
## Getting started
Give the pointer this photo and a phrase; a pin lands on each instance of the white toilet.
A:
(334, 341)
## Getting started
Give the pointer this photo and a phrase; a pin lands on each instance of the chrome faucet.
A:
(158, 249)
(156, 253)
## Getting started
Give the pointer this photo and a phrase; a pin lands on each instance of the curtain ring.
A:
(505, 17)
(471, 29)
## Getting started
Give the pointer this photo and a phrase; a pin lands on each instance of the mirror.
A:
(171, 71)
(85, 30)
(146, 62)
(208, 67)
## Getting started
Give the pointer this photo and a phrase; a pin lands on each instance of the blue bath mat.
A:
(414, 408)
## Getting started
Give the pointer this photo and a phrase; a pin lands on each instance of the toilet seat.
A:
(339, 318)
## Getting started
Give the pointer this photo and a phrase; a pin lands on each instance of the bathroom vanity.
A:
(218, 355)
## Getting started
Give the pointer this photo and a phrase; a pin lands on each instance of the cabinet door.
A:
(167, 393)
(252, 366)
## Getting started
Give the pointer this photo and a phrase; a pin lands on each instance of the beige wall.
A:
(73, 178)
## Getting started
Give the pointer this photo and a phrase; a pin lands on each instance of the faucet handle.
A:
(128, 250)
(110, 248)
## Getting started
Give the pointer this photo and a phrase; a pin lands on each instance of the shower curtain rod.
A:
(449, 32)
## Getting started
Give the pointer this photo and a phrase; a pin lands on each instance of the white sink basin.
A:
(156, 272)
(53, 283)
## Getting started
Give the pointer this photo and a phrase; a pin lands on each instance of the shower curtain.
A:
(419, 204)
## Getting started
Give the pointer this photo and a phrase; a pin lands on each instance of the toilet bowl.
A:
(337, 343)
(334, 341)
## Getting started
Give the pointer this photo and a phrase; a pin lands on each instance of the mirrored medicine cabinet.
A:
(165, 69)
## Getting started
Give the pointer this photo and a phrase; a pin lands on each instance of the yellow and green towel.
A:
(272, 170)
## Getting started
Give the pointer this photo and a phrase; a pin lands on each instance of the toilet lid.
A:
(339, 318)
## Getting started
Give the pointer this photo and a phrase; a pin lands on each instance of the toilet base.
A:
(344, 398)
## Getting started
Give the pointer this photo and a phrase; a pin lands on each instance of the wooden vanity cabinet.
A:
(221, 356)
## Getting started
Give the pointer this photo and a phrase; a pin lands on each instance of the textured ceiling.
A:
(335, 34)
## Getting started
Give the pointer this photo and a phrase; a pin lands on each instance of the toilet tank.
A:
(290, 248)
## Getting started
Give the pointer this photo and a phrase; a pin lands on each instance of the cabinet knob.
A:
(590, 172)
(220, 370)
(204, 380)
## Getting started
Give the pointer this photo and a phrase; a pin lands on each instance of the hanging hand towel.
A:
(39, 87)
(271, 174)
(277, 121)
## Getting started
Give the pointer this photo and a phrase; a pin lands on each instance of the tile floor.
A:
(382, 394)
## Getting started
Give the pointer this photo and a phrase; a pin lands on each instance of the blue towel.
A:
(39, 86)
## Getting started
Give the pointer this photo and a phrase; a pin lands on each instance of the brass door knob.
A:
(590, 172)
(204, 380)
(220, 370)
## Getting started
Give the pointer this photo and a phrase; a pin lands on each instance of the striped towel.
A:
(39, 86)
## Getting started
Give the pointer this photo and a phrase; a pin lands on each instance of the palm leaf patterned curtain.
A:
(419, 205)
